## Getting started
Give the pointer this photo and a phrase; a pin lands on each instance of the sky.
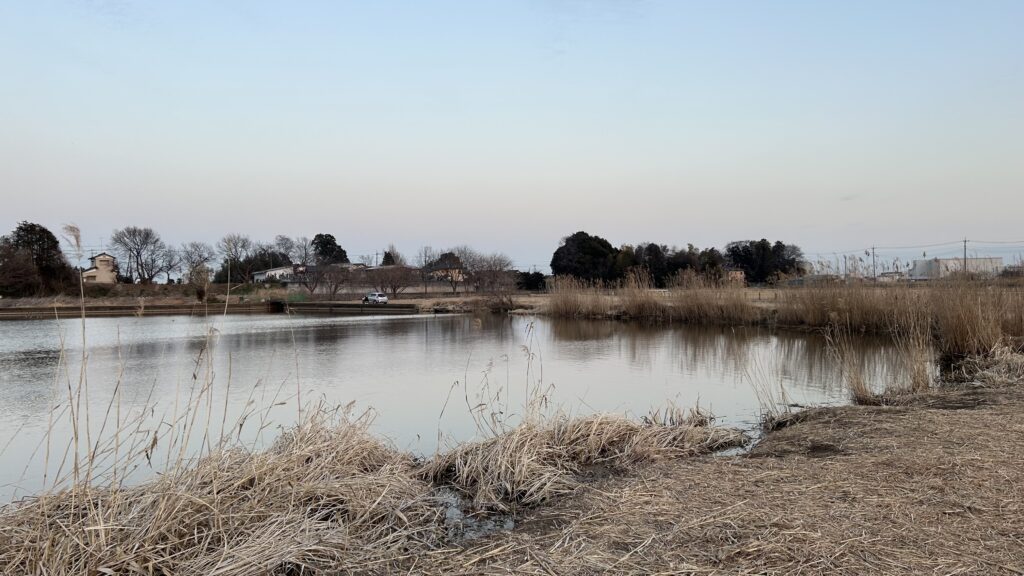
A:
(508, 125)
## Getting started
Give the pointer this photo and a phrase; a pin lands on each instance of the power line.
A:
(998, 242)
(919, 246)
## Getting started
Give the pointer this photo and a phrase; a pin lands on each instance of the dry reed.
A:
(326, 497)
(538, 461)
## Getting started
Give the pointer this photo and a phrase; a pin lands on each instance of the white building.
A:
(278, 273)
(102, 271)
(937, 268)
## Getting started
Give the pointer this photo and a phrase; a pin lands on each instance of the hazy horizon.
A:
(507, 126)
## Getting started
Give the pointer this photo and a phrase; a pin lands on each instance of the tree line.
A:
(593, 258)
(32, 263)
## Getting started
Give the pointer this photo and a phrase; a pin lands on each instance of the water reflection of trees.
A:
(791, 358)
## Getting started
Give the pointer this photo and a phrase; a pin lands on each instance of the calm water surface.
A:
(419, 375)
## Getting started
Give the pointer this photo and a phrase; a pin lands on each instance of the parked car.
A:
(375, 298)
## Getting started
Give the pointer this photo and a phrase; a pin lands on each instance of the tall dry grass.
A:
(327, 497)
(636, 297)
(698, 300)
(538, 461)
(574, 298)
(960, 317)
(842, 346)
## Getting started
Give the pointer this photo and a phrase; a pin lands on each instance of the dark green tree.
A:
(388, 260)
(18, 274)
(711, 263)
(680, 260)
(532, 281)
(762, 261)
(585, 256)
(653, 258)
(38, 244)
(327, 250)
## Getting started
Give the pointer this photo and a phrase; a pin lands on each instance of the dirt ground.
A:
(933, 487)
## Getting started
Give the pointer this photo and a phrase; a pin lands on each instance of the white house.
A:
(279, 273)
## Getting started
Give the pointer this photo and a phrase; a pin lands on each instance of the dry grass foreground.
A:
(935, 485)
(932, 487)
(326, 498)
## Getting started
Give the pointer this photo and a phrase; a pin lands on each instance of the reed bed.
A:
(574, 298)
(327, 497)
(537, 462)
(960, 318)
(636, 297)
(694, 300)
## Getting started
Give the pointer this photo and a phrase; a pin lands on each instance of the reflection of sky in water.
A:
(404, 368)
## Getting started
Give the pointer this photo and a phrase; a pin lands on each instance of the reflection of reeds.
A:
(770, 392)
(913, 341)
(845, 351)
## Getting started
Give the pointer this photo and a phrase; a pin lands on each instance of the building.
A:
(937, 268)
(735, 277)
(892, 276)
(102, 270)
(279, 273)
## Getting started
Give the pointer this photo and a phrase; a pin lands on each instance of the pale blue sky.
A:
(507, 125)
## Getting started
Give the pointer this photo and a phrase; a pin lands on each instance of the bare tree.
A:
(235, 248)
(143, 253)
(486, 272)
(195, 261)
(284, 244)
(425, 256)
(393, 279)
(492, 272)
(335, 277)
(310, 277)
(299, 249)
(302, 251)
(392, 257)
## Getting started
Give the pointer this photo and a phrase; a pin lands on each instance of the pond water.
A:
(422, 376)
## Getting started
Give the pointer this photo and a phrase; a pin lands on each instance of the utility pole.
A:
(965, 256)
(874, 270)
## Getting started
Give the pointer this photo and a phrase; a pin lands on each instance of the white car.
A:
(375, 298)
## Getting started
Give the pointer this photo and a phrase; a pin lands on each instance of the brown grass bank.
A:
(327, 498)
(932, 487)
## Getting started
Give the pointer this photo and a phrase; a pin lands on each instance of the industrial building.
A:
(936, 268)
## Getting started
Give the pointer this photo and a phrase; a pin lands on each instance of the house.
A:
(279, 273)
(103, 270)
(735, 277)
(937, 268)
(447, 268)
